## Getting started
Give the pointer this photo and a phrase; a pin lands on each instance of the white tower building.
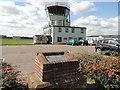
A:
(59, 29)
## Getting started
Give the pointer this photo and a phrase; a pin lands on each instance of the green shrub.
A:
(10, 77)
(104, 70)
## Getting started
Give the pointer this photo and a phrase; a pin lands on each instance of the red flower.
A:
(4, 71)
(112, 73)
(106, 71)
(117, 78)
(11, 71)
(99, 73)
(88, 66)
(103, 61)
(83, 63)
(95, 56)
(19, 75)
(103, 74)
(23, 79)
(8, 68)
(116, 57)
(103, 70)
(94, 68)
(22, 82)
(15, 65)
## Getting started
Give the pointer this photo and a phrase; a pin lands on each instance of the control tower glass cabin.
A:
(58, 15)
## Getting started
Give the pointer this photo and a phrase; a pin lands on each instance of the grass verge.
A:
(16, 42)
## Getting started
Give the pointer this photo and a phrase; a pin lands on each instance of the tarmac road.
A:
(24, 55)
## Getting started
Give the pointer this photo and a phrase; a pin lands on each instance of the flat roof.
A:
(62, 4)
(64, 26)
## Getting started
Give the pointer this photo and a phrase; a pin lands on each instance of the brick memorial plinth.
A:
(55, 70)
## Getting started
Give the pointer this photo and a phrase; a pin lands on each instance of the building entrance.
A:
(59, 39)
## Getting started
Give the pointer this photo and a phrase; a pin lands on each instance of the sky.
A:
(28, 17)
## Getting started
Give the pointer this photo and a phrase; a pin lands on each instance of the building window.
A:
(70, 38)
(66, 30)
(53, 22)
(82, 30)
(59, 39)
(65, 38)
(75, 38)
(59, 29)
(79, 38)
(59, 22)
(73, 30)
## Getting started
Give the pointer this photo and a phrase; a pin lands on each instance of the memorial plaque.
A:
(58, 69)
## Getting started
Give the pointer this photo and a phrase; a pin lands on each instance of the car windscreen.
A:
(118, 40)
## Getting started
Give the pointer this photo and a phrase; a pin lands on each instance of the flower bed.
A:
(104, 70)
(11, 79)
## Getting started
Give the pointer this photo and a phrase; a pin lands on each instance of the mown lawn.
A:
(15, 42)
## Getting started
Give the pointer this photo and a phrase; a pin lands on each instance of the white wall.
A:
(63, 34)
(57, 18)
(95, 38)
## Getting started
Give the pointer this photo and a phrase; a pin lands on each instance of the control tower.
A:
(58, 14)
(59, 28)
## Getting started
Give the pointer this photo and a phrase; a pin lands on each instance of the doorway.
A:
(59, 39)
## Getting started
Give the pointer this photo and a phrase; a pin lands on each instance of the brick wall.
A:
(58, 73)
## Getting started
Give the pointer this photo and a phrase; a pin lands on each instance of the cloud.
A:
(9, 8)
(81, 7)
(24, 20)
(19, 20)
(42, 13)
(75, 7)
(41, 4)
(98, 26)
(30, 18)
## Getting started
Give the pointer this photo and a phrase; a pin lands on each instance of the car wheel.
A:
(98, 51)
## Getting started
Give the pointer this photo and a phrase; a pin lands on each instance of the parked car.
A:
(108, 46)
(72, 42)
(83, 42)
(92, 42)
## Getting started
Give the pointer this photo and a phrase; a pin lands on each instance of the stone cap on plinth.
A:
(34, 82)
(54, 57)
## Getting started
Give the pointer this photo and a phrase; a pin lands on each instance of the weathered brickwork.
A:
(59, 73)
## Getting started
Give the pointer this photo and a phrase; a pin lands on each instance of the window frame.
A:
(65, 38)
(59, 22)
(53, 21)
(73, 30)
(82, 30)
(59, 29)
(66, 30)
